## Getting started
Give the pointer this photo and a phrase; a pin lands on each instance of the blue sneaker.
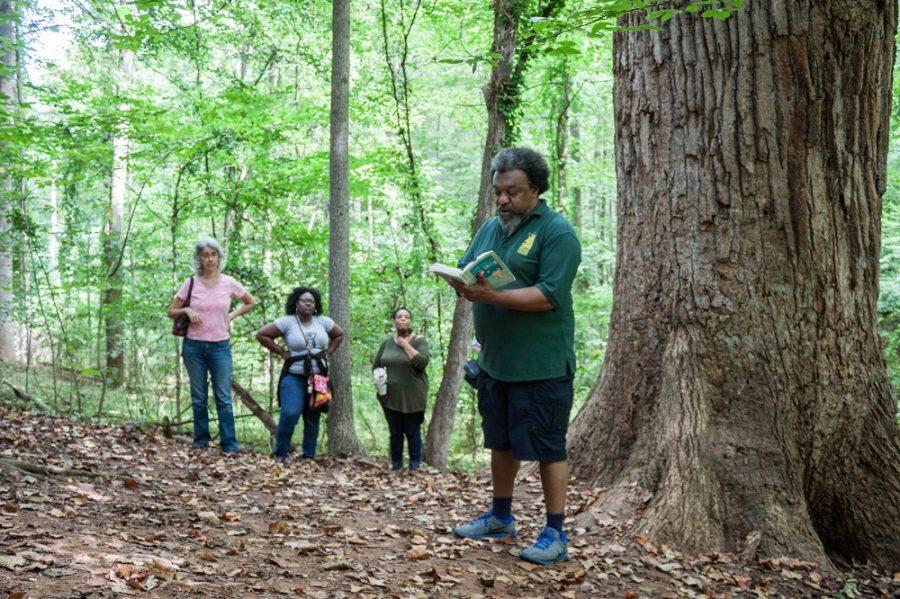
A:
(549, 548)
(487, 526)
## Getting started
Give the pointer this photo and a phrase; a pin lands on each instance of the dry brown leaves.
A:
(167, 519)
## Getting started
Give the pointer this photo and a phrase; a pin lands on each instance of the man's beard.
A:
(510, 223)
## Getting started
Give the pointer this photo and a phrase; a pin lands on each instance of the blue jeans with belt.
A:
(205, 360)
(293, 405)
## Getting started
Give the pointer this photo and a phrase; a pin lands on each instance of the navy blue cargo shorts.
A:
(530, 418)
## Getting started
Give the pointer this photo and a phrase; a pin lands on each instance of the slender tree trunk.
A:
(7, 191)
(575, 154)
(24, 353)
(173, 233)
(113, 251)
(341, 431)
(55, 232)
(400, 92)
(24, 333)
(744, 389)
(561, 134)
(499, 104)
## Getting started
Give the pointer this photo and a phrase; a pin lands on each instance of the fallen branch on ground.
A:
(254, 407)
(30, 399)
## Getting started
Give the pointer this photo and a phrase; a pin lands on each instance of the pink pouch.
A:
(319, 391)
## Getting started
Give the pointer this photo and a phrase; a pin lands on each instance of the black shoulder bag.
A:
(181, 324)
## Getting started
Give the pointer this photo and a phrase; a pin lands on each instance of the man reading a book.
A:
(526, 330)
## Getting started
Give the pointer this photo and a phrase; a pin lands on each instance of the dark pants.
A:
(403, 425)
(293, 405)
(530, 418)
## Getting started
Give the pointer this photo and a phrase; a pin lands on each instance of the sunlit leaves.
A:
(555, 34)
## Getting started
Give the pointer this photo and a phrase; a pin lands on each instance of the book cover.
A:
(488, 263)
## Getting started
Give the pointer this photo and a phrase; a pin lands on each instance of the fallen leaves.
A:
(248, 528)
(141, 579)
(207, 515)
(11, 562)
(418, 552)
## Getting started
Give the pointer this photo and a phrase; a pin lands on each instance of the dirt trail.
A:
(169, 521)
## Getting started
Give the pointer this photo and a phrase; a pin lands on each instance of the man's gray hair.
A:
(202, 244)
(523, 159)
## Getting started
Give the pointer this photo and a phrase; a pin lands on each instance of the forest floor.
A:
(99, 510)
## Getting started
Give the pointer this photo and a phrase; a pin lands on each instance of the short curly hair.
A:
(202, 244)
(524, 159)
(290, 306)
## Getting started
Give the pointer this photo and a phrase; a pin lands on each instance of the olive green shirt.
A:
(407, 381)
(543, 252)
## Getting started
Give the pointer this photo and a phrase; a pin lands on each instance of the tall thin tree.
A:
(7, 187)
(342, 437)
(113, 250)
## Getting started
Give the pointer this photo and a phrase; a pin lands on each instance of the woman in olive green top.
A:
(405, 357)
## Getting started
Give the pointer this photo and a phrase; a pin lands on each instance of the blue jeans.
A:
(210, 360)
(403, 425)
(293, 405)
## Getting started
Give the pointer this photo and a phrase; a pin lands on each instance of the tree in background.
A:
(743, 397)
(502, 95)
(113, 251)
(8, 96)
(341, 430)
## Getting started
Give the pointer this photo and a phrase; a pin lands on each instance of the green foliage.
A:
(227, 120)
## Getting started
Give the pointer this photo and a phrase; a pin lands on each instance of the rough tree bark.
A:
(113, 251)
(744, 386)
(341, 431)
(8, 97)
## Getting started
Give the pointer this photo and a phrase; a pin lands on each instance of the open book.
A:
(489, 263)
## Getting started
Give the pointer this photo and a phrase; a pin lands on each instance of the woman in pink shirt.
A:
(206, 350)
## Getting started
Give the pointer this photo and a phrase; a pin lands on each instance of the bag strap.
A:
(308, 358)
(187, 302)
(320, 362)
(285, 371)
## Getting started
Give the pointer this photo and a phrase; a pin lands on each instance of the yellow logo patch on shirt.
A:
(526, 245)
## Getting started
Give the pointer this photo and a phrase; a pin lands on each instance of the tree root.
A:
(43, 470)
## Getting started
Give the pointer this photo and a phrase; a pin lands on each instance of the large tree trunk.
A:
(113, 250)
(341, 432)
(499, 104)
(744, 387)
(7, 191)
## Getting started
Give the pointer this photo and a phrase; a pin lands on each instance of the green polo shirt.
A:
(543, 252)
